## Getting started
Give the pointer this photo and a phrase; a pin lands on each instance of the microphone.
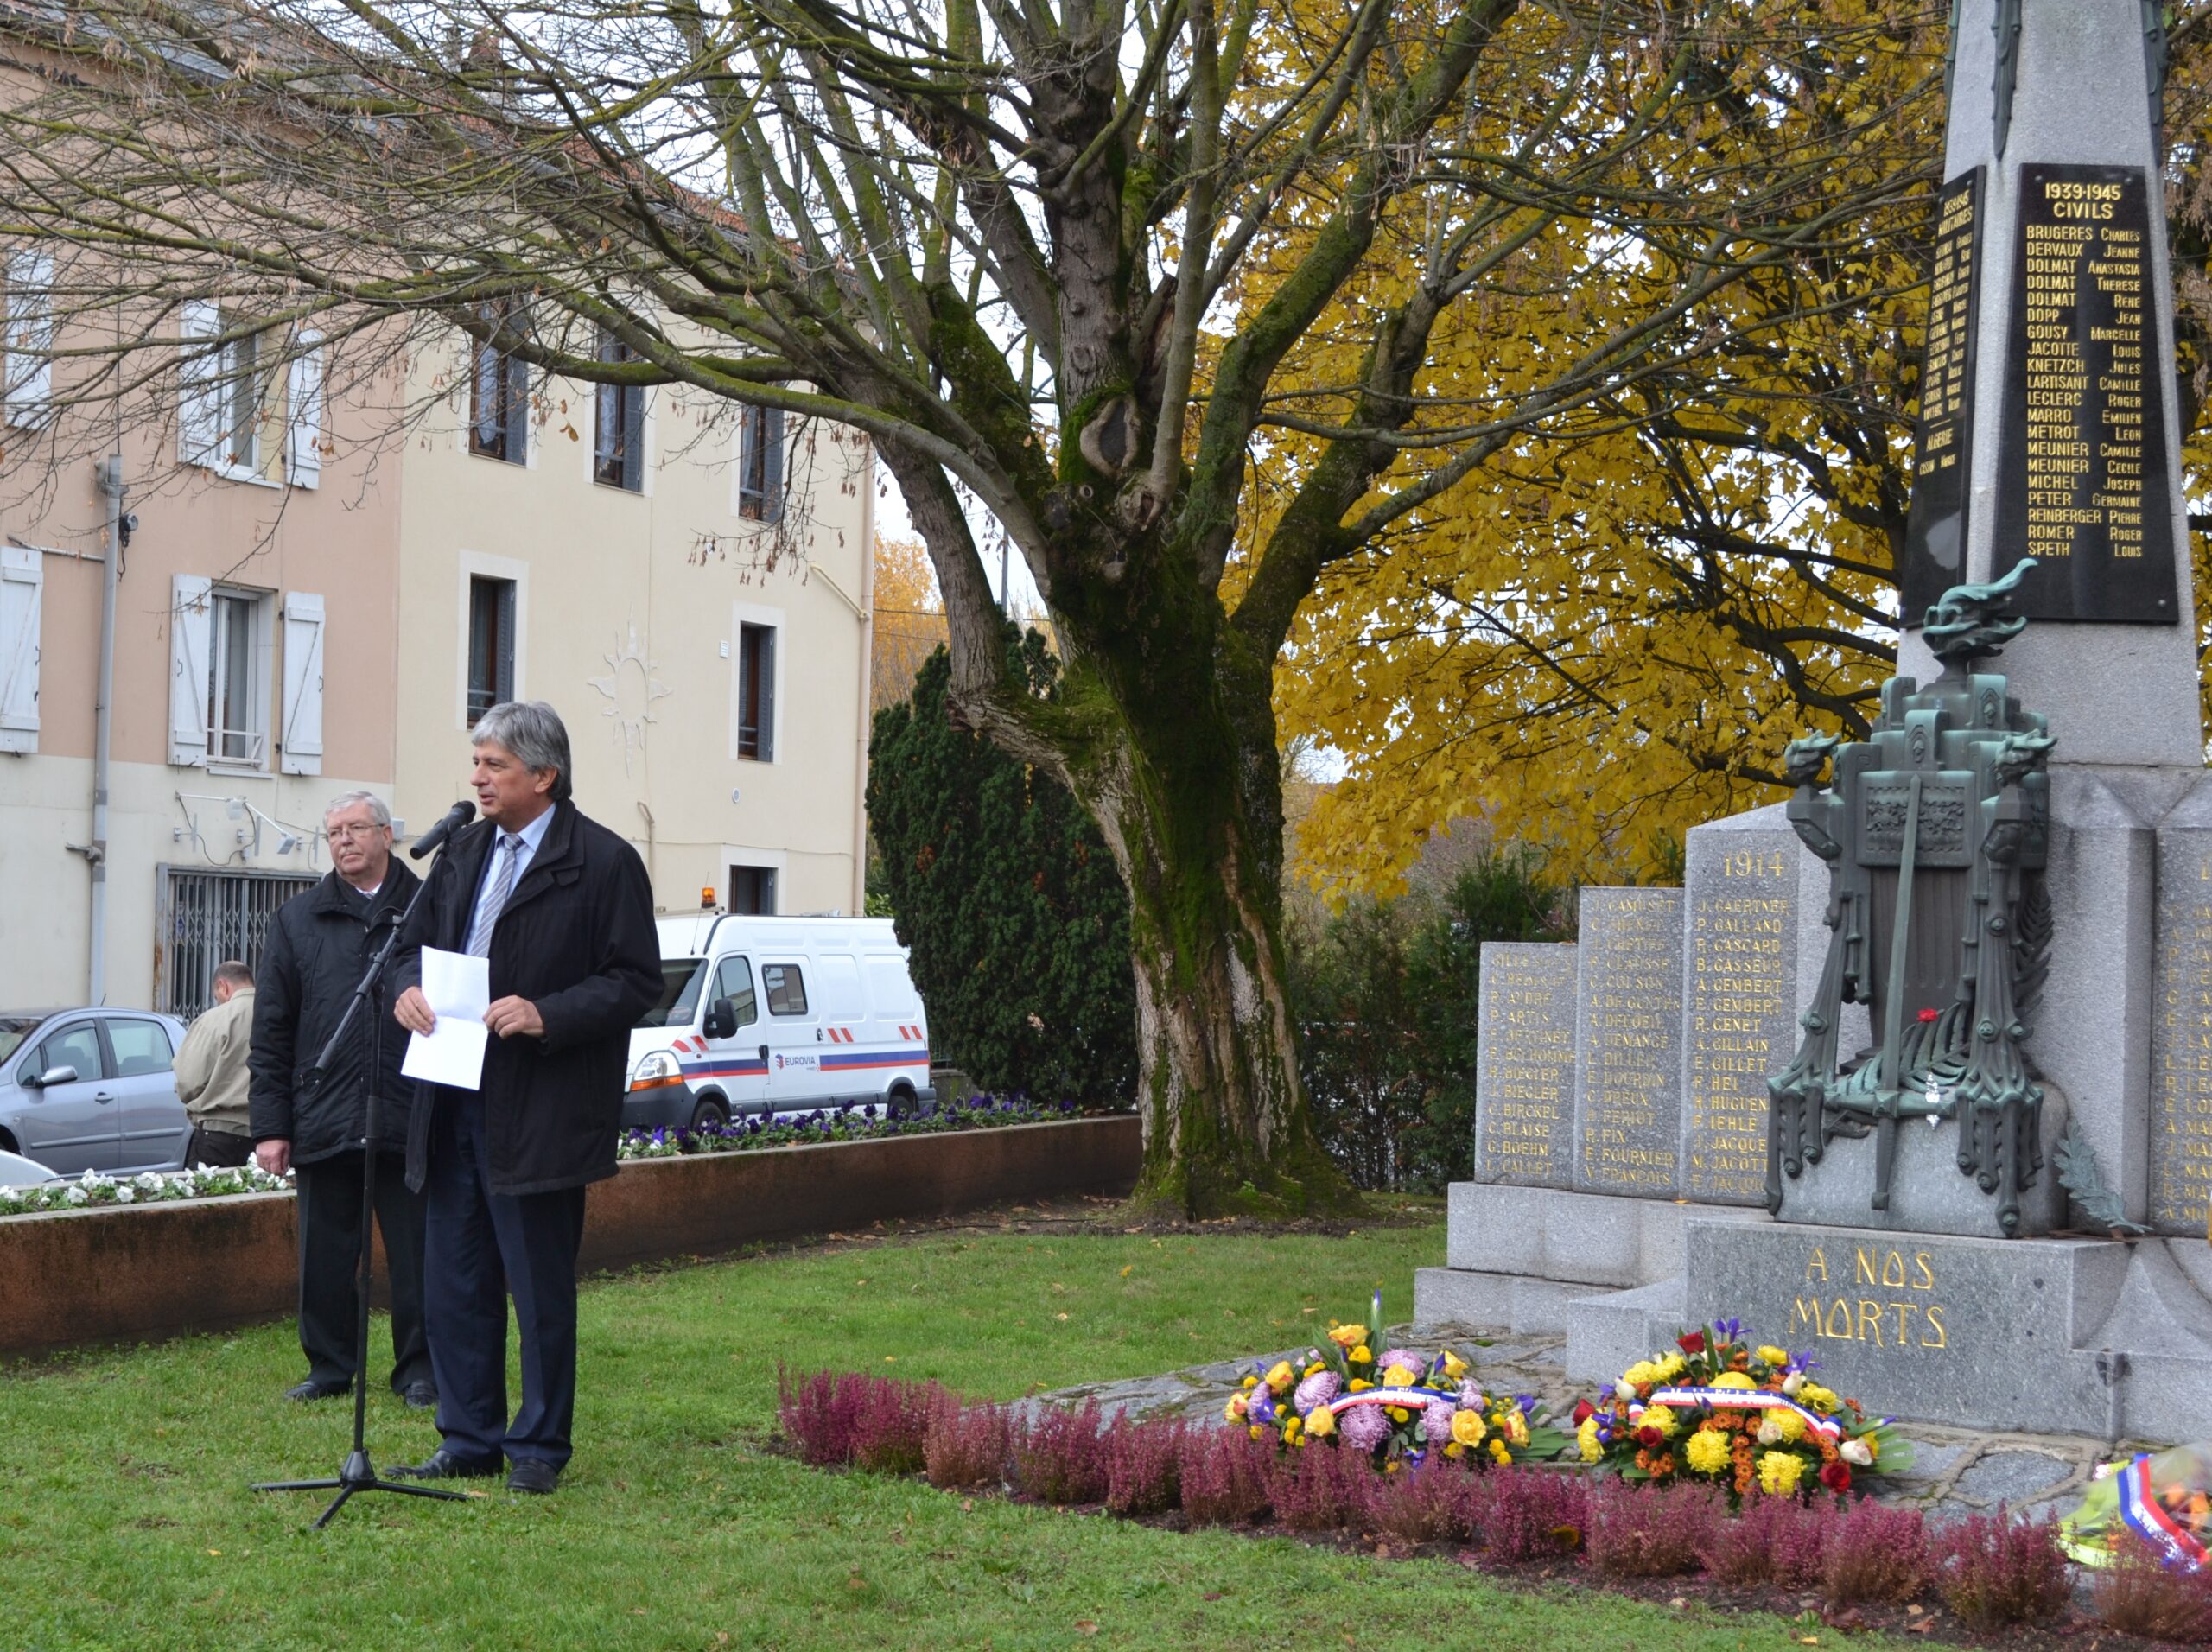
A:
(456, 817)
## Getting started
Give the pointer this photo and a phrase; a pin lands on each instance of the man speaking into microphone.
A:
(561, 909)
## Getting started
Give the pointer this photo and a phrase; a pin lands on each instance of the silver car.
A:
(92, 1090)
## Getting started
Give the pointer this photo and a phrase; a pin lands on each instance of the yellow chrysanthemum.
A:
(1282, 1376)
(1399, 1413)
(1662, 1418)
(1773, 1355)
(1398, 1376)
(1455, 1451)
(1321, 1423)
(1816, 1398)
(1642, 1372)
(1468, 1429)
(1291, 1430)
(1791, 1425)
(1706, 1451)
(1671, 1367)
(1586, 1437)
(1734, 1380)
(1498, 1453)
(1779, 1472)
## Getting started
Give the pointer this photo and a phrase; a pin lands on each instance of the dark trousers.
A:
(484, 1247)
(330, 1252)
(217, 1148)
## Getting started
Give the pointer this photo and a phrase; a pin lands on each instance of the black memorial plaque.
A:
(2082, 481)
(1936, 536)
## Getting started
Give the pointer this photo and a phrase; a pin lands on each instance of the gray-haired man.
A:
(319, 946)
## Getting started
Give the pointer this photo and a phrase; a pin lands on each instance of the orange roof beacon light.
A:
(707, 899)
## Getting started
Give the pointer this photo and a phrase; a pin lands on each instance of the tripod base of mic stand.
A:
(359, 1475)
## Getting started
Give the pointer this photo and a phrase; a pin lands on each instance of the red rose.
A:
(1583, 1412)
(1836, 1477)
(1693, 1344)
(1651, 1438)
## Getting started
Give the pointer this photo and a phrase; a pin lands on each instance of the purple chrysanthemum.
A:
(1472, 1398)
(1363, 1428)
(1436, 1421)
(1317, 1390)
(1411, 1361)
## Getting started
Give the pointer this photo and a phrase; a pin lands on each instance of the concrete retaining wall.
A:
(138, 1272)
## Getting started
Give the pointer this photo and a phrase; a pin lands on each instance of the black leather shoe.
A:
(420, 1397)
(443, 1465)
(315, 1390)
(535, 1477)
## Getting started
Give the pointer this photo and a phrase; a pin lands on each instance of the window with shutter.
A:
(499, 395)
(200, 368)
(756, 692)
(23, 576)
(27, 365)
(619, 442)
(760, 464)
(303, 622)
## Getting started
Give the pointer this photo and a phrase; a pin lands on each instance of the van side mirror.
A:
(56, 1076)
(722, 1018)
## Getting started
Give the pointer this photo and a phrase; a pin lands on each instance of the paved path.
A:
(1954, 1470)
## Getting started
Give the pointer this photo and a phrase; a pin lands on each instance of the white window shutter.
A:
(22, 576)
(304, 440)
(199, 405)
(302, 684)
(27, 374)
(190, 620)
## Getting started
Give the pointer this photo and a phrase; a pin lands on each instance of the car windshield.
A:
(681, 980)
(13, 1029)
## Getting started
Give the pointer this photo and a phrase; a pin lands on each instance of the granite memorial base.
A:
(1525, 1258)
(2060, 1336)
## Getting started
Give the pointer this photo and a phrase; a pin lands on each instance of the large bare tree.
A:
(1076, 267)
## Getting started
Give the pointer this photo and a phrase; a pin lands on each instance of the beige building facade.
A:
(322, 589)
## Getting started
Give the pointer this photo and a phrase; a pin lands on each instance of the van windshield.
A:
(680, 981)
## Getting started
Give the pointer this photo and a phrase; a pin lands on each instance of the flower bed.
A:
(858, 1122)
(153, 1187)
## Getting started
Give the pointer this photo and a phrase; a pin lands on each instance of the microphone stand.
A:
(359, 1473)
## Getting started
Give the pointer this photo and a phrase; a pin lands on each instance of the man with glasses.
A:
(319, 945)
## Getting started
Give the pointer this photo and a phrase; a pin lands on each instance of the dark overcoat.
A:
(576, 938)
(320, 942)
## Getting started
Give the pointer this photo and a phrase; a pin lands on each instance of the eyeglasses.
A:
(362, 828)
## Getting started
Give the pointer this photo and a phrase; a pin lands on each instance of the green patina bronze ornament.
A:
(1934, 831)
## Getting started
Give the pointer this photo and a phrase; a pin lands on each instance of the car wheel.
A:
(899, 1103)
(711, 1114)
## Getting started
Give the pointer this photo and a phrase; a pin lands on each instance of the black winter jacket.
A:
(319, 942)
(576, 938)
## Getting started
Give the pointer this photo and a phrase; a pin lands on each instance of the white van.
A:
(768, 1015)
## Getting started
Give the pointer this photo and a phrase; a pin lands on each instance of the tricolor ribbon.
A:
(1413, 1399)
(1826, 1428)
(2147, 1518)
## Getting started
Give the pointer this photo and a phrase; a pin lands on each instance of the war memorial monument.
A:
(1915, 1072)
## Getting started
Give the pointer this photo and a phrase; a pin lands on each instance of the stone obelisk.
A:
(2049, 421)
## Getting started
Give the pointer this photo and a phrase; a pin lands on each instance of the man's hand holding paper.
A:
(455, 994)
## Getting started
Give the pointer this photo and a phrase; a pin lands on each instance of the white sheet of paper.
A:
(459, 988)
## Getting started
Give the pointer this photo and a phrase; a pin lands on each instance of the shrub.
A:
(2139, 1594)
(1994, 1571)
(1057, 1455)
(1772, 1539)
(1875, 1552)
(964, 1446)
(1432, 1503)
(1224, 1475)
(1651, 1531)
(1321, 1489)
(1530, 1514)
(890, 1423)
(1143, 1464)
(818, 1415)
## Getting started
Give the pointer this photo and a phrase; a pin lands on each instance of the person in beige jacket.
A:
(211, 1076)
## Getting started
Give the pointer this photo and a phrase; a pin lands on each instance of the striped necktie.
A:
(503, 885)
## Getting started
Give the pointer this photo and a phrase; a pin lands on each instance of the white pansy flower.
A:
(149, 1182)
(126, 1195)
(76, 1195)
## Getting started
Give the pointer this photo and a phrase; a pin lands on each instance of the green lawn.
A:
(125, 1519)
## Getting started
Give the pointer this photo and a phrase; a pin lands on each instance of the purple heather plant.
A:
(1530, 1514)
(817, 1413)
(1781, 1541)
(1224, 1477)
(1057, 1455)
(964, 1446)
(2140, 1594)
(1995, 1569)
(891, 1424)
(1432, 1502)
(1651, 1531)
(1143, 1464)
(1317, 1490)
(1875, 1552)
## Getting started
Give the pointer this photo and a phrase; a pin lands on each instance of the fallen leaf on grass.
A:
(1084, 1626)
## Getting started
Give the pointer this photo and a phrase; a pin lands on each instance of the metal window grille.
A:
(205, 917)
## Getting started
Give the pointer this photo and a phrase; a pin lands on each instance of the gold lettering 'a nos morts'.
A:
(1892, 1301)
(1628, 1091)
(1524, 1068)
(1740, 983)
(2181, 1037)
